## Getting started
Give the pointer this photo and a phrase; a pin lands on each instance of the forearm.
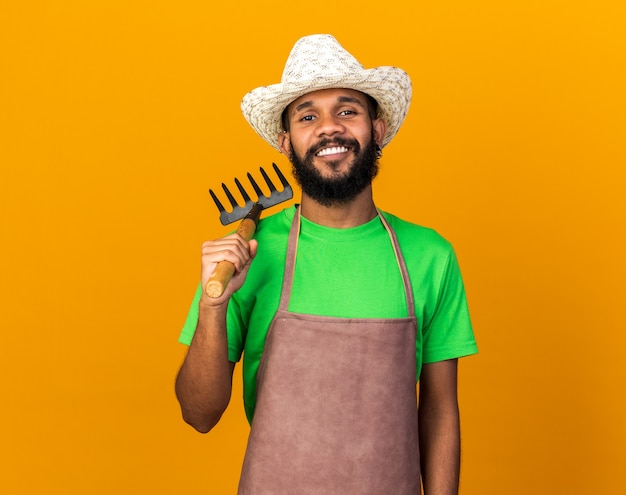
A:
(440, 447)
(439, 428)
(204, 382)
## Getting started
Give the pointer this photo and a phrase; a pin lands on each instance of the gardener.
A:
(338, 308)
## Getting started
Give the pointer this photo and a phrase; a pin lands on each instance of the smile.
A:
(332, 151)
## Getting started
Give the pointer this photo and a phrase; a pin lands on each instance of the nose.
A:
(328, 125)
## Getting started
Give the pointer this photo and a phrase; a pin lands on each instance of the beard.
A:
(342, 189)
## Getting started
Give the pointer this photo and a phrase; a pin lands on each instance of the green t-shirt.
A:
(347, 273)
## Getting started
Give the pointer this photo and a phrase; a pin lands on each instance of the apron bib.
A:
(336, 409)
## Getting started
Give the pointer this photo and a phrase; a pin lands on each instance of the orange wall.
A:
(116, 117)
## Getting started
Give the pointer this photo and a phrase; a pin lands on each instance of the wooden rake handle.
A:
(224, 271)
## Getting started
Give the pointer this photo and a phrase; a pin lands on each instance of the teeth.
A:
(330, 151)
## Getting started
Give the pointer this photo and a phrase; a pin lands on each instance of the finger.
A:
(232, 240)
(213, 250)
(238, 259)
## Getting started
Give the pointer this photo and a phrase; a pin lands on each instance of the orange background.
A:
(116, 117)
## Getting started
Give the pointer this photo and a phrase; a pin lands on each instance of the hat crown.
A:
(318, 55)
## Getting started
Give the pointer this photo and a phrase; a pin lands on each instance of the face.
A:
(332, 144)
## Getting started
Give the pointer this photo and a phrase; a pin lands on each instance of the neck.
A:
(357, 212)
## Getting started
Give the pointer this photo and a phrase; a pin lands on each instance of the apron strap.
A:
(290, 264)
(406, 280)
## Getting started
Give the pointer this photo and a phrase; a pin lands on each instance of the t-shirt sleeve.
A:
(234, 324)
(189, 328)
(448, 334)
(236, 329)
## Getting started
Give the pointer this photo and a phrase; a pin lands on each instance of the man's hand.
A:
(232, 248)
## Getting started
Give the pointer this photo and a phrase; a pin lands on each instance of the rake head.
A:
(238, 212)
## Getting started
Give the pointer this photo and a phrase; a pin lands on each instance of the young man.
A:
(337, 308)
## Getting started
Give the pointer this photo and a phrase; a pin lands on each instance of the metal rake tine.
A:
(283, 179)
(230, 197)
(268, 181)
(255, 186)
(217, 202)
(244, 193)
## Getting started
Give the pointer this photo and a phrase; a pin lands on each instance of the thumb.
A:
(254, 244)
(240, 276)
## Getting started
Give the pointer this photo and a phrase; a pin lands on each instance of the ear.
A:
(380, 128)
(284, 143)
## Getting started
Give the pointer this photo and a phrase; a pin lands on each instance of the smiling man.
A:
(337, 308)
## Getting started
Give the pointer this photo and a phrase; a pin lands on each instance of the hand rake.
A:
(250, 212)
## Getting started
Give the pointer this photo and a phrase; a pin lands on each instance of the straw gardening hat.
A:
(320, 62)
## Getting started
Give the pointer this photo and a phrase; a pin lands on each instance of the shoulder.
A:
(417, 237)
(277, 223)
(272, 234)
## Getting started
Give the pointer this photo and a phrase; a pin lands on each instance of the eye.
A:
(347, 112)
(307, 118)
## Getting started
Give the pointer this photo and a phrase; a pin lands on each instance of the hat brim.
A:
(389, 86)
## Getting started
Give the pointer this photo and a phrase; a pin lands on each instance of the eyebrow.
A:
(351, 99)
(341, 99)
(302, 105)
